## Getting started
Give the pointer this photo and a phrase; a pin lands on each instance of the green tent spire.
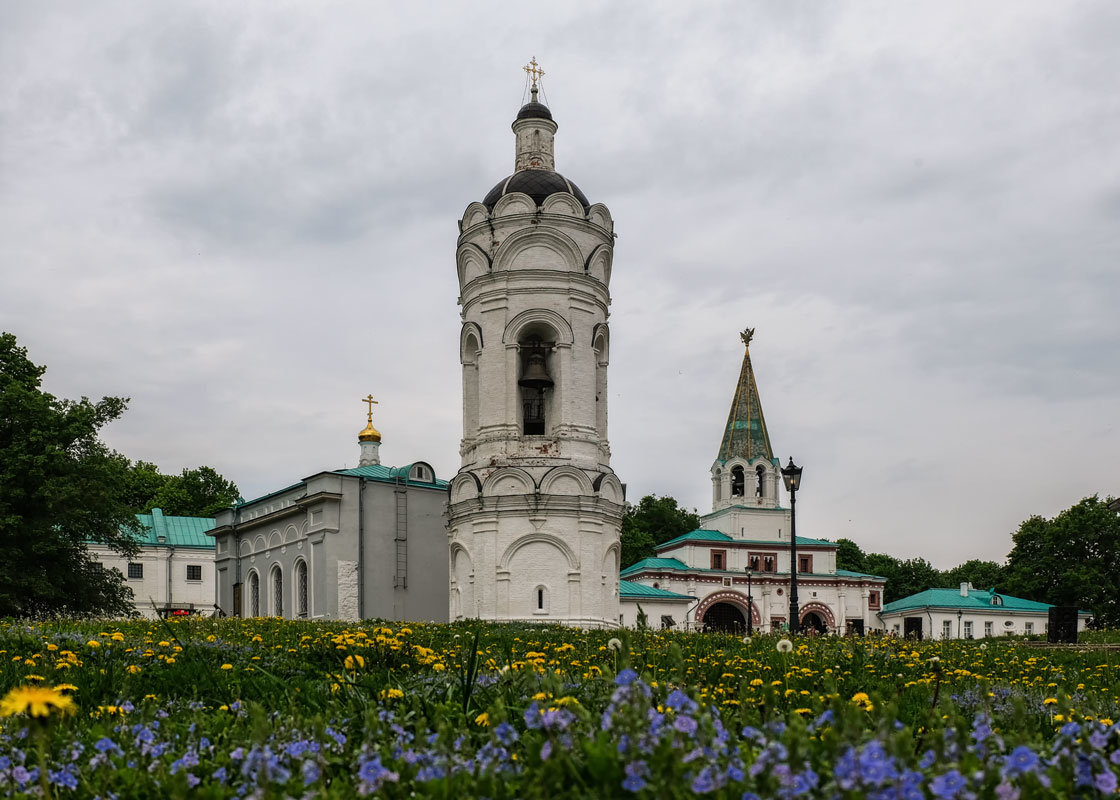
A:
(745, 435)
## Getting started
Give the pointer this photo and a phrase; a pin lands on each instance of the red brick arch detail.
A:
(821, 609)
(727, 596)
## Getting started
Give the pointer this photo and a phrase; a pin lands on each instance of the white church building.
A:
(535, 510)
(704, 573)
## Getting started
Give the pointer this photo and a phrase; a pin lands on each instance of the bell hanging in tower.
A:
(536, 376)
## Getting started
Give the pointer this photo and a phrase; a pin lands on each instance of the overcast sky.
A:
(243, 216)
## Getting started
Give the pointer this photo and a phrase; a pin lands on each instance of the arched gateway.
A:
(726, 611)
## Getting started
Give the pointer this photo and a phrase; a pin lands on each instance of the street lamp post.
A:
(750, 602)
(791, 474)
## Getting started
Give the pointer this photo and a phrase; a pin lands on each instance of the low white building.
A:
(749, 531)
(967, 613)
(174, 570)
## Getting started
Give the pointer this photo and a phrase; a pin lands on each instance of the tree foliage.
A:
(653, 521)
(1070, 560)
(199, 492)
(60, 487)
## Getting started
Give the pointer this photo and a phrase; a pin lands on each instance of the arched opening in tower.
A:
(535, 384)
(738, 481)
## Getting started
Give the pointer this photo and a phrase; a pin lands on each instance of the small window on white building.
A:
(968, 630)
(987, 629)
(1028, 628)
(726, 581)
(135, 571)
(947, 629)
(540, 600)
(194, 572)
(420, 473)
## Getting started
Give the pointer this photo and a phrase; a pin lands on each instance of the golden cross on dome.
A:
(535, 72)
(371, 403)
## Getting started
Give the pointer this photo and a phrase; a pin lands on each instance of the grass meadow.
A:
(272, 708)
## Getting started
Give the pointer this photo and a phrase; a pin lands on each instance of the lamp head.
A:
(791, 474)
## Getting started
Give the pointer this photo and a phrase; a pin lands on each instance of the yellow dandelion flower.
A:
(93, 643)
(133, 668)
(1050, 701)
(35, 678)
(482, 719)
(35, 701)
(354, 662)
(227, 666)
(392, 694)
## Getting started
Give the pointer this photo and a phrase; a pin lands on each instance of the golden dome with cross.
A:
(369, 433)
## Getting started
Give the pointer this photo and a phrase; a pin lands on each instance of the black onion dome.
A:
(538, 184)
(534, 110)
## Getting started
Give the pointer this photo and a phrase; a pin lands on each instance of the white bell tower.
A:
(535, 510)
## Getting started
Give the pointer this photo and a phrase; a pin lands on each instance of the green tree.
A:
(904, 577)
(1070, 560)
(981, 574)
(60, 487)
(849, 556)
(653, 521)
(200, 492)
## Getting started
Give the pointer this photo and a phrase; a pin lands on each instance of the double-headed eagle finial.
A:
(746, 336)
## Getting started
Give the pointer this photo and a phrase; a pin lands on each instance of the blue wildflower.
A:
(626, 677)
(636, 772)
(65, 777)
(546, 750)
(685, 725)
(1019, 761)
(947, 786)
(1106, 782)
(373, 776)
(505, 733)
(707, 780)
(680, 702)
(219, 775)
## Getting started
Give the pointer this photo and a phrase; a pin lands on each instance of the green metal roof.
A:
(977, 600)
(384, 474)
(655, 563)
(176, 531)
(699, 535)
(629, 590)
(847, 573)
(745, 434)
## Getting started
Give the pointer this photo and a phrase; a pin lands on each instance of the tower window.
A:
(737, 481)
(533, 382)
(760, 490)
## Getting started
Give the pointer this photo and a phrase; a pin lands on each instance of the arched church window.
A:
(254, 595)
(540, 600)
(738, 481)
(277, 592)
(760, 490)
(301, 588)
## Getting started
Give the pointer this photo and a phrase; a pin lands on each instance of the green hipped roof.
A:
(655, 563)
(977, 600)
(745, 434)
(629, 590)
(701, 535)
(373, 472)
(176, 531)
(847, 573)
(380, 472)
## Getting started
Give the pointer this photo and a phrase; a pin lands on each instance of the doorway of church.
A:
(912, 628)
(725, 618)
(812, 623)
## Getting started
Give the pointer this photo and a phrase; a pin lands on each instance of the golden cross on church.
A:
(371, 403)
(534, 71)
